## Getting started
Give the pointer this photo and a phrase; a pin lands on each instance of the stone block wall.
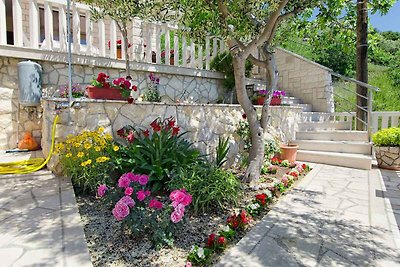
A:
(204, 123)
(173, 87)
(307, 80)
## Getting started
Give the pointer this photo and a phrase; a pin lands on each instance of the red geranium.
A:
(210, 240)
(239, 221)
(262, 199)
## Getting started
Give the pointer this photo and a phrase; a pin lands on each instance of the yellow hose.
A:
(30, 165)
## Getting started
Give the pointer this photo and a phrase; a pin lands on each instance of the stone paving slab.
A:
(335, 216)
(39, 222)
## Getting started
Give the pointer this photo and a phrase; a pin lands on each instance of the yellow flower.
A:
(85, 163)
(77, 144)
(88, 146)
(102, 142)
(116, 148)
(81, 154)
(70, 136)
(102, 159)
(100, 130)
(97, 148)
(60, 146)
(108, 137)
(68, 155)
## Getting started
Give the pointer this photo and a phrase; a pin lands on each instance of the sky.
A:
(388, 22)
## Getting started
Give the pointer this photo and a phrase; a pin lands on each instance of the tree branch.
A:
(280, 19)
(268, 30)
(255, 61)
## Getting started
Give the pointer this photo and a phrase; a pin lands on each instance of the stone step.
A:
(353, 147)
(315, 116)
(321, 126)
(333, 135)
(290, 100)
(357, 161)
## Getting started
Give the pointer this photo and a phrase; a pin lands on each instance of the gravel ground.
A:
(110, 246)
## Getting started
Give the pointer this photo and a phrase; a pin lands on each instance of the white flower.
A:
(193, 248)
(226, 228)
(200, 253)
(268, 193)
(254, 206)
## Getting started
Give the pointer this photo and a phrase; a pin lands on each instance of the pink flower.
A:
(285, 181)
(128, 191)
(101, 191)
(124, 181)
(143, 179)
(180, 208)
(155, 204)
(147, 193)
(133, 177)
(177, 195)
(188, 264)
(120, 211)
(187, 200)
(127, 200)
(176, 217)
(141, 195)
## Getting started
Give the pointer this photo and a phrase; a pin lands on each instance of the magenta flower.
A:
(187, 200)
(180, 209)
(128, 191)
(155, 204)
(141, 195)
(101, 191)
(177, 195)
(176, 217)
(143, 179)
(124, 181)
(188, 264)
(147, 193)
(127, 200)
(120, 211)
(133, 177)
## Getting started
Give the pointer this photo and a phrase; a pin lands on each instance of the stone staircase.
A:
(322, 140)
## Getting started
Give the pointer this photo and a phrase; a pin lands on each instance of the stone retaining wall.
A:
(204, 123)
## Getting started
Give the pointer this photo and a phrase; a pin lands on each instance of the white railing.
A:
(42, 24)
(380, 119)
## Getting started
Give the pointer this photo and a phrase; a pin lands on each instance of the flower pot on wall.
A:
(276, 101)
(388, 157)
(104, 93)
(260, 100)
(119, 53)
(289, 152)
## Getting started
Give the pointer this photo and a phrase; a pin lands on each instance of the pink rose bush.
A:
(138, 208)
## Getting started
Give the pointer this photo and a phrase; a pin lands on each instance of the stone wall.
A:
(204, 123)
(307, 80)
(173, 87)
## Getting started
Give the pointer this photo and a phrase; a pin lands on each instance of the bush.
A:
(143, 214)
(209, 186)
(85, 158)
(387, 137)
(158, 152)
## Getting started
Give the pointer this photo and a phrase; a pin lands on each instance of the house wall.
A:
(204, 123)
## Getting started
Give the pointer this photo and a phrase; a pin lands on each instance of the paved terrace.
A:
(335, 217)
(39, 221)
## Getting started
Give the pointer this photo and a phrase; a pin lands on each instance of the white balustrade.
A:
(89, 33)
(34, 24)
(76, 29)
(208, 60)
(384, 119)
(62, 27)
(102, 38)
(48, 26)
(176, 49)
(17, 22)
(113, 39)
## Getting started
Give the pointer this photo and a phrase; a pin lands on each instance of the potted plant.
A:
(277, 97)
(77, 91)
(387, 148)
(119, 89)
(259, 97)
(152, 94)
(288, 152)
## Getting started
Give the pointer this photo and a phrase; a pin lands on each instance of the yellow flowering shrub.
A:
(86, 158)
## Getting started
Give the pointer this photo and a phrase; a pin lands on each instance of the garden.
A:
(148, 196)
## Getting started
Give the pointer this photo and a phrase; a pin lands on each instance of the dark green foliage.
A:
(209, 186)
(221, 151)
(223, 63)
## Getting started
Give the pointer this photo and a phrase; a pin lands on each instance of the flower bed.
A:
(109, 245)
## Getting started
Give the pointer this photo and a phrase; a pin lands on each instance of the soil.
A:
(109, 245)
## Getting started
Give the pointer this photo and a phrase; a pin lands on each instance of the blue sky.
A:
(388, 22)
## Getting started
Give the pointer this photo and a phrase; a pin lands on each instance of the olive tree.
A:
(250, 25)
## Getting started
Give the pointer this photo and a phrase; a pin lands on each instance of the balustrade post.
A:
(3, 23)
(17, 22)
(48, 27)
(76, 29)
(207, 52)
(34, 24)
(167, 45)
(176, 49)
(89, 33)
(102, 38)
(62, 30)
(113, 39)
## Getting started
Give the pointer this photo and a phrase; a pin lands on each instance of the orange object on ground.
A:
(28, 142)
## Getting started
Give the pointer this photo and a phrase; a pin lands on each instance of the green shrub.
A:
(85, 158)
(387, 137)
(221, 151)
(209, 186)
(157, 152)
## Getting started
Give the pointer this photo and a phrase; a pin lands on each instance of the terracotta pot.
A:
(388, 157)
(276, 101)
(119, 53)
(260, 100)
(171, 60)
(104, 93)
(289, 152)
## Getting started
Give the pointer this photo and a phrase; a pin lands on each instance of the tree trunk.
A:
(362, 61)
(256, 153)
(124, 31)
(272, 76)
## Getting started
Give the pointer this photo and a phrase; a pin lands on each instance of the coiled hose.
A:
(30, 165)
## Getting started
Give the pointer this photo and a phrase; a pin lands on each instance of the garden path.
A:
(39, 222)
(335, 216)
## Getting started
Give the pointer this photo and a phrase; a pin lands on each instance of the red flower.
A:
(171, 123)
(210, 240)
(304, 166)
(244, 116)
(155, 125)
(175, 131)
(130, 137)
(121, 132)
(244, 218)
(221, 240)
(261, 198)
(134, 88)
(146, 133)
(233, 221)
(102, 77)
